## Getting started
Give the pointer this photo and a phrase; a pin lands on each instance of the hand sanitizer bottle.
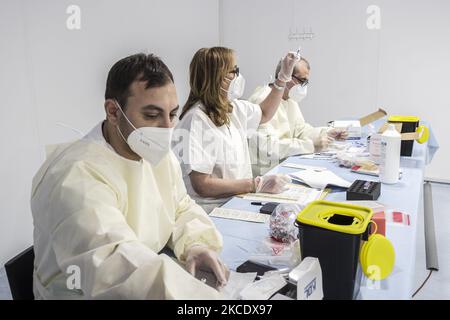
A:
(390, 155)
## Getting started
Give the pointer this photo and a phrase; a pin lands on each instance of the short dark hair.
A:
(137, 67)
(278, 69)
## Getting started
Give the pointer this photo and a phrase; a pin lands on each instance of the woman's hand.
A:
(272, 183)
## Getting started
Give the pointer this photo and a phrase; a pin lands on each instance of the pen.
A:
(257, 203)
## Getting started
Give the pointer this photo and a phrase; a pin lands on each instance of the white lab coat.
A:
(221, 152)
(286, 134)
(109, 217)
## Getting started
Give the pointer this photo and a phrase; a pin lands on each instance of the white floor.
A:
(437, 287)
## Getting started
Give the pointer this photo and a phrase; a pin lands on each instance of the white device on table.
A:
(308, 277)
(264, 288)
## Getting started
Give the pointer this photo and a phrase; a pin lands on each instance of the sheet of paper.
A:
(303, 166)
(392, 216)
(320, 179)
(264, 288)
(294, 194)
(236, 283)
(318, 156)
(346, 123)
(397, 218)
(280, 297)
(374, 205)
(234, 214)
(371, 171)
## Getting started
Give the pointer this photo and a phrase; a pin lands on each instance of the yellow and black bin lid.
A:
(412, 119)
(335, 216)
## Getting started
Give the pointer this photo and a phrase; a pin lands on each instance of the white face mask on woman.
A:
(236, 88)
(150, 143)
(298, 92)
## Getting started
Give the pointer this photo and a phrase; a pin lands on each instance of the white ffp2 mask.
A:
(236, 88)
(298, 93)
(150, 143)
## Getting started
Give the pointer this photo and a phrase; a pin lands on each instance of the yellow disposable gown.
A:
(108, 217)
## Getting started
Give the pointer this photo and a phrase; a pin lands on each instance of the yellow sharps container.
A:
(333, 232)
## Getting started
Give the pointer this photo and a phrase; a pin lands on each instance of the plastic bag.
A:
(277, 254)
(282, 221)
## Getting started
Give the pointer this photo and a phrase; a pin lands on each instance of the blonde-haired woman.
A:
(211, 137)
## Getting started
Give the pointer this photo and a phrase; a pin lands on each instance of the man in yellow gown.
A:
(287, 133)
(106, 205)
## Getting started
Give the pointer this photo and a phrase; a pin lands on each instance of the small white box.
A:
(353, 128)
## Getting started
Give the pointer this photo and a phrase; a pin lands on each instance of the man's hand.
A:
(201, 256)
(337, 133)
(287, 67)
(322, 142)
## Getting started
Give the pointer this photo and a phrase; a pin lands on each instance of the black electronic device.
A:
(364, 190)
(253, 266)
(268, 207)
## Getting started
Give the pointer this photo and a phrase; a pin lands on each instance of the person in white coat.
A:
(287, 133)
(211, 138)
(106, 205)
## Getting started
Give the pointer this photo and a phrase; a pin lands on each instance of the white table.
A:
(242, 238)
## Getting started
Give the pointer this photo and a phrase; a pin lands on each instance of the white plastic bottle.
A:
(390, 155)
(375, 147)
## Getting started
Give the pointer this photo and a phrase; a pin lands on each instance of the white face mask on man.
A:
(150, 143)
(236, 88)
(298, 92)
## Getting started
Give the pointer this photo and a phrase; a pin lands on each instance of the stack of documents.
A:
(295, 193)
(320, 179)
(240, 215)
(303, 166)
